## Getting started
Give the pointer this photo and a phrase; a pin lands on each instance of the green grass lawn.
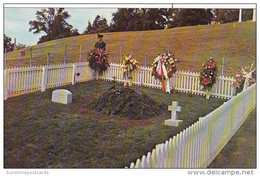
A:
(240, 151)
(192, 45)
(39, 133)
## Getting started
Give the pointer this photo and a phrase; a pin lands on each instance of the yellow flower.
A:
(131, 60)
(127, 58)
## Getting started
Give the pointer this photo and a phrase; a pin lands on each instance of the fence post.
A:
(65, 55)
(73, 74)
(80, 53)
(145, 60)
(44, 73)
(48, 58)
(6, 81)
(222, 69)
(120, 54)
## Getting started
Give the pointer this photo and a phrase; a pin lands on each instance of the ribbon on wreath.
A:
(161, 70)
(99, 55)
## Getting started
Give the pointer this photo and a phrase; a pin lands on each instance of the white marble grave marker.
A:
(61, 96)
(173, 121)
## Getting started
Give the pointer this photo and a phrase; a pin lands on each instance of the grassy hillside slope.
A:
(192, 45)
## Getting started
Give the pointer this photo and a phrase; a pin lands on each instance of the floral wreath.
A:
(208, 74)
(241, 77)
(98, 60)
(129, 65)
(169, 62)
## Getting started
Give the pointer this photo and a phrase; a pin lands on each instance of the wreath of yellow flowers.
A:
(129, 64)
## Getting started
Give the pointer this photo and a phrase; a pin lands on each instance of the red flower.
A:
(205, 81)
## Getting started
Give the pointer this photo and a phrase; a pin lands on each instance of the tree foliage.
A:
(52, 22)
(138, 19)
(189, 17)
(247, 14)
(153, 19)
(99, 25)
(227, 15)
(133, 19)
(8, 45)
(88, 29)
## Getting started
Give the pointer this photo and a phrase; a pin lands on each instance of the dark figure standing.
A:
(98, 58)
(100, 44)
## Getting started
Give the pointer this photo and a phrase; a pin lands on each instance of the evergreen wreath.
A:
(98, 60)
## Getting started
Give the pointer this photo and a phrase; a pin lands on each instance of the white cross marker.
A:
(173, 108)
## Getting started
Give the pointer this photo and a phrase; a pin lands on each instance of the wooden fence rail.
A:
(199, 144)
(28, 79)
(188, 82)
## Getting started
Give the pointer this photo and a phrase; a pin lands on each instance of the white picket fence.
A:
(188, 82)
(27, 79)
(199, 144)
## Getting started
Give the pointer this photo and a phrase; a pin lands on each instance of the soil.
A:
(129, 103)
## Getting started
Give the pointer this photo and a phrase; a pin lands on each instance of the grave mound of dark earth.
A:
(129, 103)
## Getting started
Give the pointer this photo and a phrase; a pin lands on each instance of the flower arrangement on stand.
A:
(163, 68)
(129, 65)
(244, 78)
(98, 60)
(208, 76)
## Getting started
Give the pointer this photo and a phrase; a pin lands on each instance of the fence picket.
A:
(148, 160)
(143, 162)
(153, 159)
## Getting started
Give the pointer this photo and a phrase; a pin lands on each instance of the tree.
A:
(103, 26)
(75, 32)
(52, 22)
(120, 20)
(227, 15)
(88, 29)
(139, 19)
(8, 45)
(190, 17)
(247, 14)
(99, 25)
(156, 18)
